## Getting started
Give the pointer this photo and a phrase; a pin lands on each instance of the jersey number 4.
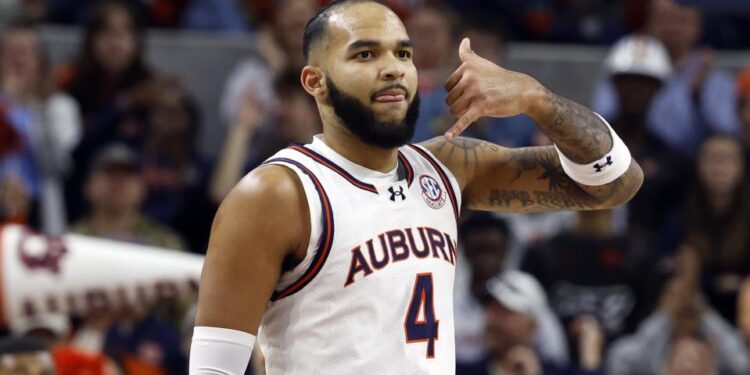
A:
(421, 324)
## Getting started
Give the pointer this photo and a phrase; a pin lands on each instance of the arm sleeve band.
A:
(603, 171)
(220, 351)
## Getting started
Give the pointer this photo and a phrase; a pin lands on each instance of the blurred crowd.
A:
(106, 146)
(569, 21)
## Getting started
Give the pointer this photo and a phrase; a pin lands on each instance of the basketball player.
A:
(340, 254)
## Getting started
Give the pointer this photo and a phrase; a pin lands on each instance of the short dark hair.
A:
(482, 221)
(317, 26)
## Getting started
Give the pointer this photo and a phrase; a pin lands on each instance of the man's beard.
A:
(363, 122)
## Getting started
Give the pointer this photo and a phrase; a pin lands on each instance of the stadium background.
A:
(668, 272)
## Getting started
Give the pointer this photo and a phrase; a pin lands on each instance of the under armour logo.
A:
(399, 193)
(600, 167)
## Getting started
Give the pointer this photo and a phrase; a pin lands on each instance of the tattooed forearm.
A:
(561, 192)
(577, 131)
(524, 179)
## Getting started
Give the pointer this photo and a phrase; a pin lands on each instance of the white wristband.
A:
(603, 171)
(220, 351)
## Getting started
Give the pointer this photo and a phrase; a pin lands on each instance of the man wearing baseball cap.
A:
(638, 67)
(116, 190)
(516, 309)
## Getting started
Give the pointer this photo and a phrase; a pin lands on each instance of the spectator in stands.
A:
(485, 241)
(71, 351)
(716, 222)
(594, 270)
(515, 306)
(431, 29)
(112, 84)
(116, 190)
(256, 135)
(110, 65)
(136, 338)
(47, 122)
(684, 336)
(697, 100)
(175, 173)
(638, 65)
(49, 328)
(279, 44)
(145, 343)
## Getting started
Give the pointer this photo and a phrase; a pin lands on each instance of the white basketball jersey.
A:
(374, 294)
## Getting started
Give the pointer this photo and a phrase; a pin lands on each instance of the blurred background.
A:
(131, 120)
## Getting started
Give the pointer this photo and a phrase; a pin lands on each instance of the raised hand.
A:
(480, 88)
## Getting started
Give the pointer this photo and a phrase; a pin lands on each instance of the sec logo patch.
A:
(432, 193)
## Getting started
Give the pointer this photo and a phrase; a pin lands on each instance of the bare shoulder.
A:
(269, 201)
(464, 156)
(262, 221)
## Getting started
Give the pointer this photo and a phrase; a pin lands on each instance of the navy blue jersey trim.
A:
(326, 238)
(407, 166)
(334, 167)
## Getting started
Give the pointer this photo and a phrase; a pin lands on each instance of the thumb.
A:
(464, 50)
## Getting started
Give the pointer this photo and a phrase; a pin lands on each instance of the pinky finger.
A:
(463, 122)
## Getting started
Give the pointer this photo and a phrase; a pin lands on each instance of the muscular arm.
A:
(495, 178)
(576, 131)
(261, 222)
(524, 179)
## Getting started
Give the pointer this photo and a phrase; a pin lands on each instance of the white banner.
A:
(74, 274)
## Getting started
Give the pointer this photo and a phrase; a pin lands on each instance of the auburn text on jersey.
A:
(399, 245)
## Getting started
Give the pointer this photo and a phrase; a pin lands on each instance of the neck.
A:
(348, 145)
(114, 223)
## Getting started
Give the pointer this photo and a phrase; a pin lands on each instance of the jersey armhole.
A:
(321, 231)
